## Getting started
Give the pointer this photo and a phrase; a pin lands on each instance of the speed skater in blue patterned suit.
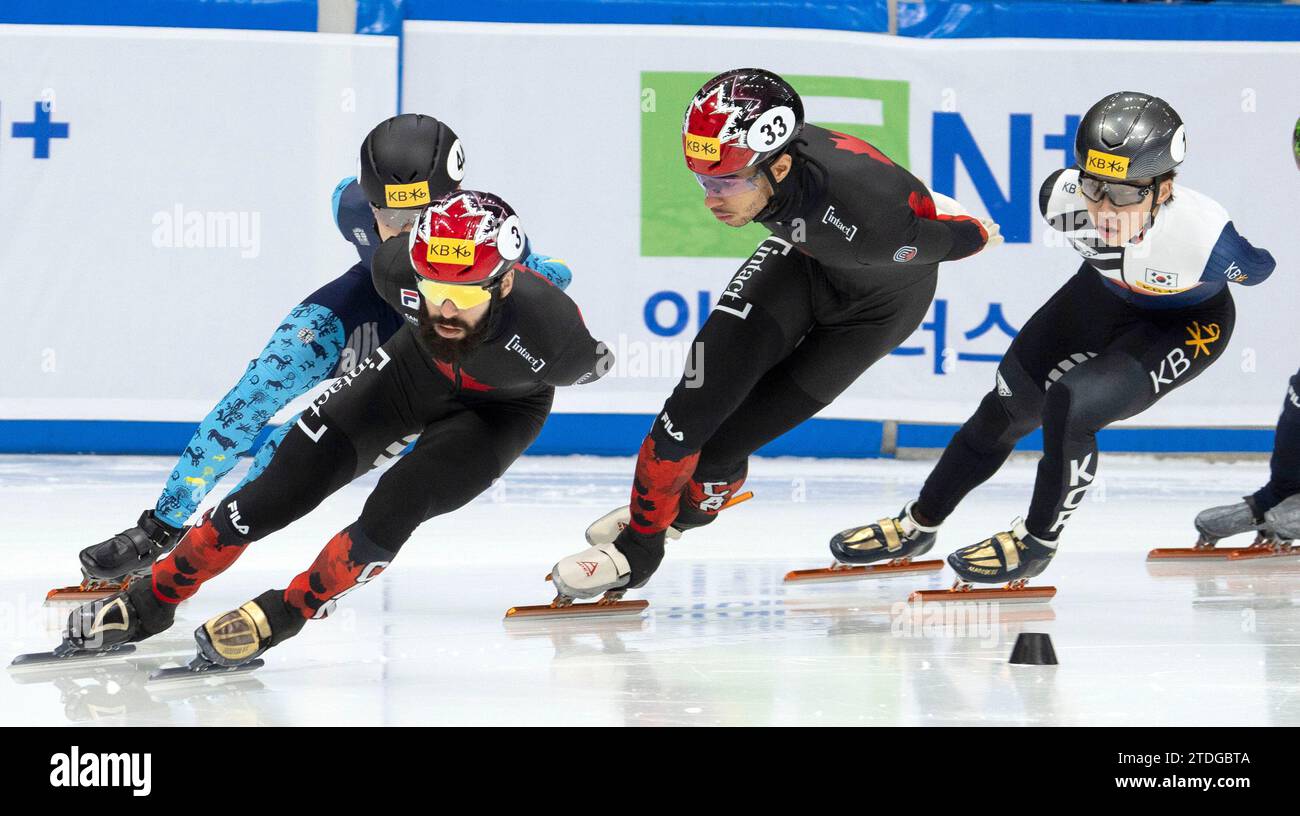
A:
(1148, 311)
(467, 382)
(405, 162)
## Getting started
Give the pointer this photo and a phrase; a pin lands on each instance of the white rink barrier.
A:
(167, 195)
(578, 126)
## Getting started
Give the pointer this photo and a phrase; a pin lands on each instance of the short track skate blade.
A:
(1252, 553)
(42, 659)
(987, 595)
(199, 669)
(1193, 553)
(838, 572)
(595, 609)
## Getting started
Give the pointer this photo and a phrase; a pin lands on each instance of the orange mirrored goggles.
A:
(463, 295)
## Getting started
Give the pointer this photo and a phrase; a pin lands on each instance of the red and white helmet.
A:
(466, 237)
(739, 119)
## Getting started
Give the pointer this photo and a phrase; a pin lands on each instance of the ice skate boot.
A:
(608, 570)
(109, 566)
(1214, 524)
(897, 541)
(1011, 557)
(1280, 528)
(109, 625)
(233, 642)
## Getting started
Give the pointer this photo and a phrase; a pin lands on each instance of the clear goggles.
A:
(726, 186)
(462, 295)
(396, 220)
(1121, 195)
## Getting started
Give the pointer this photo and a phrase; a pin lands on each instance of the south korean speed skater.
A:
(467, 381)
(1148, 311)
(846, 274)
(404, 163)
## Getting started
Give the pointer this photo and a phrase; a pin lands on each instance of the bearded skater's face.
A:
(1117, 224)
(451, 332)
(735, 200)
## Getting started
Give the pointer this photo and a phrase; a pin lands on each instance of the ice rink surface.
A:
(724, 641)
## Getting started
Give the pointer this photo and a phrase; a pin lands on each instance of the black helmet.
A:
(409, 160)
(1130, 135)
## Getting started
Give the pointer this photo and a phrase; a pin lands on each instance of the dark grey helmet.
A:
(409, 160)
(1130, 135)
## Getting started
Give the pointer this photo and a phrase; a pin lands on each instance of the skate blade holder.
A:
(1261, 547)
(609, 605)
(1014, 592)
(84, 592)
(849, 572)
(201, 670)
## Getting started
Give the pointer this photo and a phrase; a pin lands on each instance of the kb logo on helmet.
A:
(1107, 164)
(451, 251)
(702, 147)
(406, 195)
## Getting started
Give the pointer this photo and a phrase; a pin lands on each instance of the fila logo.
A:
(668, 427)
(904, 254)
(410, 298)
(233, 507)
(588, 567)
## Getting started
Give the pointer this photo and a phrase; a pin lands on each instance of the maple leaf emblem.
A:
(855, 145)
(718, 114)
(458, 217)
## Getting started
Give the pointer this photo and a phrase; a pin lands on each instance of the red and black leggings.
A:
(461, 446)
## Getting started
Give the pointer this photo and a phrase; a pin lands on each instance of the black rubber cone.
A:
(1034, 649)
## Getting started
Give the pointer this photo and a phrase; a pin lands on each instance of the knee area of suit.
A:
(1002, 421)
(1075, 408)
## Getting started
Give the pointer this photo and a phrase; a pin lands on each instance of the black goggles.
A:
(1121, 195)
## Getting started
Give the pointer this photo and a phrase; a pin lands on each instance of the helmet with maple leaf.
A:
(466, 237)
(741, 118)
